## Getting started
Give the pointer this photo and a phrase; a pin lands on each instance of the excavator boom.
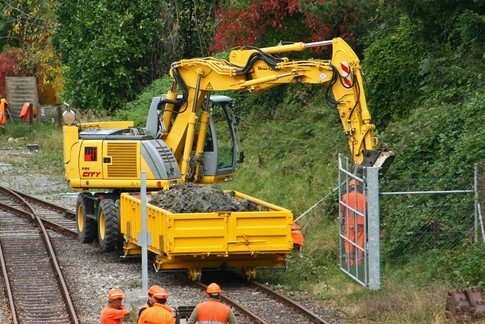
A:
(258, 69)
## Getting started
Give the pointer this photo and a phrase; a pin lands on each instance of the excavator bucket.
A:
(378, 158)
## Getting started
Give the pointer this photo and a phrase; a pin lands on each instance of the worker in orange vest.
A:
(3, 112)
(114, 311)
(297, 236)
(150, 301)
(159, 313)
(213, 310)
(354, 223)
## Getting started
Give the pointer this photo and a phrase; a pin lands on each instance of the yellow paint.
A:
(204, 240)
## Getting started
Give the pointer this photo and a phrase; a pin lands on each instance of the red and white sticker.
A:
(346, 73)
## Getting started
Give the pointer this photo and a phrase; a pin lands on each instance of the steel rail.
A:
(30, 213)
(254, 318)
(58, 209)
(55, 208)
(313, 318)
(296, 306)
(8, 288)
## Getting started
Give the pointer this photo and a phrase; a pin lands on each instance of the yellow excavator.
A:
(181, 141)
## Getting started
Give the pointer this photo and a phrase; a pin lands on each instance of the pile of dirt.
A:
(193, 198)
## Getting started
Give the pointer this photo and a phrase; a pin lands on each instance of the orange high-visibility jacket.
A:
(24, 113)
(3, 112)
(213, 311)
(111, 315)
(355, 200)
(297, 235)
(157, 314)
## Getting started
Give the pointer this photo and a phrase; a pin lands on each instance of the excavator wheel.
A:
(86, 226)
(108, 227)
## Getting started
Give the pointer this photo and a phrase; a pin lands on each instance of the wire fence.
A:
(419, 219)
(430, 216)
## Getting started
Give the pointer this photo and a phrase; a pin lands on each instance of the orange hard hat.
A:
(213, 288)
(161, 294)
(115, 294)
(153, 289)
(353, 182)
(295, 227)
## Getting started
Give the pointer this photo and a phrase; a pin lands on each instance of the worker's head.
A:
(115, 297)
(353, 183)
(160, 296)
(295, 227)
(151, 291)
(213, 291)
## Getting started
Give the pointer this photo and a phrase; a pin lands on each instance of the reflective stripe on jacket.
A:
(212, 312)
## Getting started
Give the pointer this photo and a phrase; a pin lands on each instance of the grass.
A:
(294, 166)
(48, 136)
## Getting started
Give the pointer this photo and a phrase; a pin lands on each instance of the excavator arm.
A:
(258, 69)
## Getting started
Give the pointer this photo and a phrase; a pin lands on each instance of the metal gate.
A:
(359, 224)
(359, 216)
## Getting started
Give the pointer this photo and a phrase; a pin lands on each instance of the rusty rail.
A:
(17, 205)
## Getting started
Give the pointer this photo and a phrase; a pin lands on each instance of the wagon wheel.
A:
(195, 274)
(249, 273)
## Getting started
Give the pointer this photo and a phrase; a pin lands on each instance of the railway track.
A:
(258, 303)
(253, 302)
(35, 286)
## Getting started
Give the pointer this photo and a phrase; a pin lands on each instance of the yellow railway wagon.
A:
(196, 241)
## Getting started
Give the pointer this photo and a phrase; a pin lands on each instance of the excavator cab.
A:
(221, 153)
(221, 147)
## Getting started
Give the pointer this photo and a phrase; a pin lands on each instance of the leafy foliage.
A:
(108, 49)
(268, 22)
(391, 70)
(28, 25)
(422, 84)
(464, 265)
(11, 65)
(137, 110)
(439, 16)
(193, 24)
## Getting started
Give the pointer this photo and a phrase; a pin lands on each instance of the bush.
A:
(392, 72)
(137, 110)
(11, 64)
(108, 49)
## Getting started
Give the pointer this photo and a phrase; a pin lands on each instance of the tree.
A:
(268, 22)
(28, 24)
(11, 65)
(110, 49)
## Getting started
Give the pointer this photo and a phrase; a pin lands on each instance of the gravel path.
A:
(89, 272)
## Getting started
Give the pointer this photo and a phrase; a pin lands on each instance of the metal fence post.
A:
(144, 246)
(475, 189)
(373, 236)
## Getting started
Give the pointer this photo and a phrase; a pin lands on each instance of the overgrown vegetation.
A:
(421, 82)
(424, 66)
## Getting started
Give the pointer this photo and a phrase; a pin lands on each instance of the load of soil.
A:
(193, 198)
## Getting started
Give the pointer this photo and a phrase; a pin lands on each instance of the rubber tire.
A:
(108, 225)
(86, 226)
